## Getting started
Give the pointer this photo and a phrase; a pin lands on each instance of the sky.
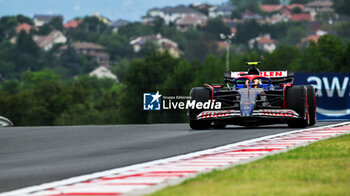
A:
(131, 10)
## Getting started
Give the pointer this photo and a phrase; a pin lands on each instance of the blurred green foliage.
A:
(52, 87)
(42, 98)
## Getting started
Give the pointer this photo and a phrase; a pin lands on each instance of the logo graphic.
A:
(334, 89)
(151, 101)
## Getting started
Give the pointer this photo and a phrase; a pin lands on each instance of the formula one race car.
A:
(253, 98)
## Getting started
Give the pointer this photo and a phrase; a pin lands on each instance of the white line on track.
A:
(151, 176)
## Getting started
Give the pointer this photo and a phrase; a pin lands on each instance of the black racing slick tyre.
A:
(199, 94)
(199, 125)
(219, 125)
(296, 99)
(311, 98)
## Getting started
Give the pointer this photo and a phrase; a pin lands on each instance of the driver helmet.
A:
(247, 84)
(256, 83)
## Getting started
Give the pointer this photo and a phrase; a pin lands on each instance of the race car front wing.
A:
(275, 113)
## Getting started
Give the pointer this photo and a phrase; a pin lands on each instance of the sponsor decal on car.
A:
(270, 74)
(287, 113)
(215, 114)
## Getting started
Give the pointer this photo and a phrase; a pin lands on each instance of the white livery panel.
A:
(270, 74)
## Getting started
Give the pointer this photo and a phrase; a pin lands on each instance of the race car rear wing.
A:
(277, 77)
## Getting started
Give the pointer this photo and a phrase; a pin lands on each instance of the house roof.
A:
(310, 38)
(292, 6)
(103, 19)
(201, 5)
(44, 40)
(180, 9)
(286, 12)
(143, 39)
(189, 19)
(270, 8)
(119, 23)
(300, 17)
(250, 15)
(320, 3)
(87, 45)
(278, 18)
(184, 9)
(24, 26)
(103, 72)
(47, 17)
(72, 24)
(161, 41)
(227, 7)
(168, 46)
(84, 45)
(265, 40)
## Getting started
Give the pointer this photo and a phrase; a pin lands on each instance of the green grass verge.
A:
(321, 168)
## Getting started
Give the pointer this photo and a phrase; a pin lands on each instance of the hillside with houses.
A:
(185, 31)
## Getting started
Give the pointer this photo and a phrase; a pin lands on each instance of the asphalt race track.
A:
(35, 155)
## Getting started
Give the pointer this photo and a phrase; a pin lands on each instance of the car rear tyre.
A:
(199, 94)
(296, 97)
(311, 98)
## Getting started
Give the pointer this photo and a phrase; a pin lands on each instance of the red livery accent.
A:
(278, 113)
(215, 114)
(284, 93)
(212, 92)
(217, 86)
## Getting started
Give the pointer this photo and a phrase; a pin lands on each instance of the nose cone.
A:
(248, 100)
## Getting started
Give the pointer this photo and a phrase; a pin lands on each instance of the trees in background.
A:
(242, 5)
(342, 6)
(294, 35)
(117, 46)
(215, 27)
(42, 98)
(144, 75)
(325, 56)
